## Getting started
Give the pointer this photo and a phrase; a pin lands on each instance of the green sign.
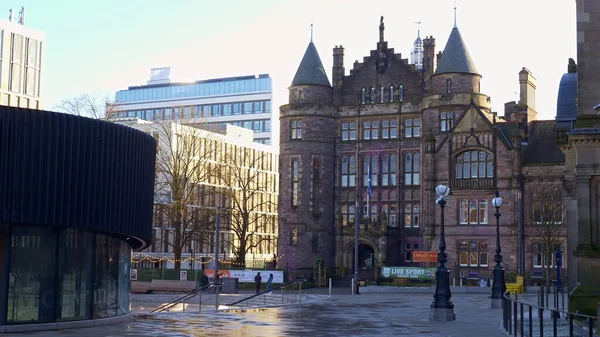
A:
(409, 273)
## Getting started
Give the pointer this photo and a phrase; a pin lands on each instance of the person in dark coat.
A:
(257, 280)
(269, 281)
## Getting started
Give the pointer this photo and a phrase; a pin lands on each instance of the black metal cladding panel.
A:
(63, 170)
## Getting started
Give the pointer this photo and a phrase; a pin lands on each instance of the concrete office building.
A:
(21, 60)
(243, 101)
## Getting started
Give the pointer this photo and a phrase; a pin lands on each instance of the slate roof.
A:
(566, 104)
(542, 147)
(456, 57)
(311, 71)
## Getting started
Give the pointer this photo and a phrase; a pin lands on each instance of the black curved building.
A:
(76, 197)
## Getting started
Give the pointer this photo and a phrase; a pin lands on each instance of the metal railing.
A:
(281, 286)
(186, 297)
(514, 314)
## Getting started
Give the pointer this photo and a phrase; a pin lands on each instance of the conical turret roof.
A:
(311, 71)
(456, 57)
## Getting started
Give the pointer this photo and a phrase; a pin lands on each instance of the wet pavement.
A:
(339, 315)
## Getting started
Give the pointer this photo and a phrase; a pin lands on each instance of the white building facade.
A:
(21, 62)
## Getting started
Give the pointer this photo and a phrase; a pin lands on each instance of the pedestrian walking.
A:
(257, 280)
(269, 281)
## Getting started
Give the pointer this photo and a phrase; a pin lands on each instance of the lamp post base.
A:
(496, 303)
(442, 314)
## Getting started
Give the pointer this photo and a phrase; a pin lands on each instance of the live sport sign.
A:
(408, 273)
(419, 256)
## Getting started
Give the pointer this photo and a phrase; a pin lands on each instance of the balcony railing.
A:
(472, 183)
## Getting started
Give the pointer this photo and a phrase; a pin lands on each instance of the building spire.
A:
(418, 28)
(311, 30)
(381, 28)
(454, 13)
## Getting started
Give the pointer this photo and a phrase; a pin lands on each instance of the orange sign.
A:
(211, 273)
(419, 256)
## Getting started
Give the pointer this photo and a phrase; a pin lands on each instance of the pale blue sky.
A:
(105, 46)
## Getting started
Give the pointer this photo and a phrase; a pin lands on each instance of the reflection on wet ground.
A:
(340, 315)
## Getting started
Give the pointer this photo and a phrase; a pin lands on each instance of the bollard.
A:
(460, 283)
(330, 286)
(300, 291)
(200, 303)
(281, 295)
(353, 286)
(454, 282)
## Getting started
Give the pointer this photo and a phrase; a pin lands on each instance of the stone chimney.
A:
(527, 84)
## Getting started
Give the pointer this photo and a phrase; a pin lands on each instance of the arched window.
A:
(412, 166)
(388, 169)
(391, 93)
(372, 163)
(295, 182)
(401, 93)
(372, 95)
(363, 95)
(474, 164)
(381, 91)
(348, 171)
(473, 212)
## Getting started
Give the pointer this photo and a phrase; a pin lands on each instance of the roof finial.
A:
(311, 30)
(381, 28)
(454, 13)
(418, 28)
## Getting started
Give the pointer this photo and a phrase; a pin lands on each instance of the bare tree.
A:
(248, 190)
(549, 228)
(182, 192)
(95, 105)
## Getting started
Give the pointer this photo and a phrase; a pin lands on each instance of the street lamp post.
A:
(499, 287)
(442, 308)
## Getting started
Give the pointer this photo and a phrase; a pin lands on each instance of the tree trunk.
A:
(177, 245)
(547, 262)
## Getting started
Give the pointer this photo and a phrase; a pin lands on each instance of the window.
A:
(294, 236)
(388, 168)
(411, 215)
(381, 91)
(474, 164)
(446, 121)
(295, 182)
(412, 128)
(401, 93)
(363, 95)
(389, 129)
(372, 95)
(473, 253)
(296, 129)
(449, 86)
(348, 214)
(371, 162)
(409, 248)
(348, 131)
(389, 211)
(473, 212)
(548, 207)
(315, 243)
(541, 258)
(391, 93)
(316, 183)
(371, 130)
(348, 171)
(367, 130)
(412, 167)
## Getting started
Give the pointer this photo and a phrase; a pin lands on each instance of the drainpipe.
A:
(521, 245)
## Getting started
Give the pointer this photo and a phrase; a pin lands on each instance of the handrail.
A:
(266, 291)
(186, 297)
(514, 312)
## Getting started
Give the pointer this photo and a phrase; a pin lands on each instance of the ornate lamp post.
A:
(499, 287)
(441, 308)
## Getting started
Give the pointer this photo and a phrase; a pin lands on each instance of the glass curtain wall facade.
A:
(63, 274)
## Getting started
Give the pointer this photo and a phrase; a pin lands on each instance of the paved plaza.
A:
(339, 315)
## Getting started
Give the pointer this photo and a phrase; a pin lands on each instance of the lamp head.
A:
(497, 201)
(442, 190)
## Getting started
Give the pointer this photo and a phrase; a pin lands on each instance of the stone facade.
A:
(408, 130)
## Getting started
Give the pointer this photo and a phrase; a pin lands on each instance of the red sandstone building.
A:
(409, 130)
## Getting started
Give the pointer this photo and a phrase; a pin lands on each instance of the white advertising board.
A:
(247, 276)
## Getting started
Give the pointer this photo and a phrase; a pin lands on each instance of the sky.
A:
(105, 46)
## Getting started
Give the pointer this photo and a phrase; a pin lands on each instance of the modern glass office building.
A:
(77, 196)
(243, 101)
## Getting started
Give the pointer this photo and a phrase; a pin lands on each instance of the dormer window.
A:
(381, 91)
(391, 93)
(363, 95)
(401, 93)
(449, 86)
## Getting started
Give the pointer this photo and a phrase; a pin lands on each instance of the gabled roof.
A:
(456, 57)
(311, 71)
(541, 146)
